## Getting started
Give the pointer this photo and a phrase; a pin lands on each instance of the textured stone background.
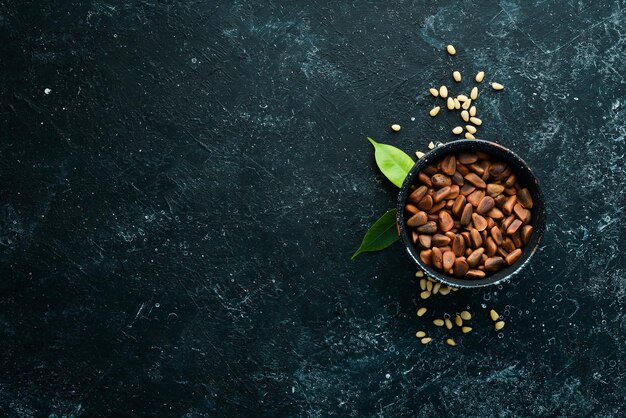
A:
(178, 212)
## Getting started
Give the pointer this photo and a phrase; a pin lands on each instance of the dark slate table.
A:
(183, 184)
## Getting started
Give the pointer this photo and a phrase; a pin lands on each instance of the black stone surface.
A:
(178, 210)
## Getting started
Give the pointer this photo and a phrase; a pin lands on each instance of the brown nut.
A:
(526, 233)
(437, 258)
(494, 264)
(448, 260)
(508, 245)
(475, 257)
(474, 274)
(419, 219)
(475, 197)
(437, 207)
(515, 225)
(495, 214)
(477, 239)
(513, 256)
(459, 204)
(426, 203)
(466, 215)
(440, 180)
(429, 227)
(441, 194)
(440, 240)
(418, 194)
(457, 178)
(425, 241)
(490, 247)
(475, 180)
(426, 257)
(460, 267)
(448, 164)
(523, 196)
(423, 177)
(496, 234)
(458, 245)
(494, 190)
(467, 189)
(467, 158)
(480, 223)
(445, 221)
(485, 205)
(507, 207)
(411, 208)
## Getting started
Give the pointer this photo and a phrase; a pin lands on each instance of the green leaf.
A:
(381, 235)
(393, 162)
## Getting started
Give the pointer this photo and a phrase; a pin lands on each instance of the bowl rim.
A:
(452, 147)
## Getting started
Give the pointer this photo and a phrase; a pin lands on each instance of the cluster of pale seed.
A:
(430, 287)
(462, 102)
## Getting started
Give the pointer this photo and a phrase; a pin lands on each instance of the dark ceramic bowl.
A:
(524, 176)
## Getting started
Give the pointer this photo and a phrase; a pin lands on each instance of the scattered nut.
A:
(480, 76)
(425, 294)
(457, 130)
(471, 129)
(494, 315)
(497, 86)
(450, 103)
(438, 322)
(462, 98)
(457, 76)
(443, 92)
(465, 116)
(420, 334)
(458, 321)
(423, 284)
(474, 93)
(434, 91)
(466, 316)
(421, 311)
(465, 330)
(429, 286)
(419, 154)
(431, 145)
(469, 136)
(448, 323)
(444, 291)
(476, 121)
(419, 273)
(426, 340)
(451, 50)
(434, 111)
(499, 325)
(451, 342)
(457, 104)
(436, 288)
(467, 104)
(395, 127)
(472, 111)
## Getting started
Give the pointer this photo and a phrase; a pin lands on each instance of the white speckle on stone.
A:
(413, 119)
(194, 60)
(47, 91)
(387, 376)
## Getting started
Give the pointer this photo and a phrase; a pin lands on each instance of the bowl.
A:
(524, 176)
